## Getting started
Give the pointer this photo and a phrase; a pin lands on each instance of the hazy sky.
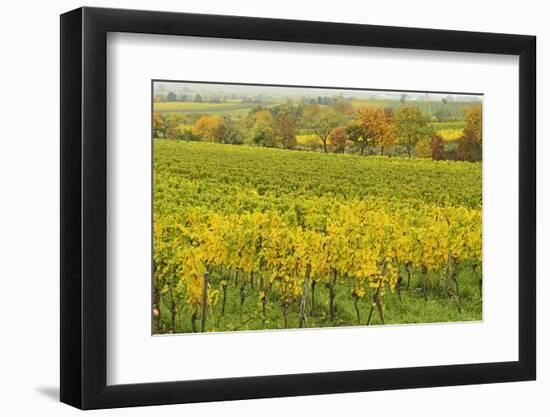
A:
(290, 92)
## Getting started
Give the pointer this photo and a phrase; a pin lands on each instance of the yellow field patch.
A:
(450, 134)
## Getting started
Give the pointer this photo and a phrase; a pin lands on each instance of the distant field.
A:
(307, 139)
(357, 103)
(450, 134)
(238, 109)
(233, 109)
(449, 130)
(428, 107)
(459, 124)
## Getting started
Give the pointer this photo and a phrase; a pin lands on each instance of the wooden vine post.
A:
(376, 297)
(447, 274)
(332, 293)
(454, 277)
(304, 298)
(204, 300)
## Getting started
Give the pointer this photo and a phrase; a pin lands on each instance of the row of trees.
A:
(336, 127)
(196, 98)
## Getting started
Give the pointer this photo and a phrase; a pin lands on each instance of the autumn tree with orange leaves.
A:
(159, 127)
(375, 126)
(338, 139)
(285, 128)
(216, 129)
(470, 143)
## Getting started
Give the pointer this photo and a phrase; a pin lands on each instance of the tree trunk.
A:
(194, 321)
(243, 294)
(376, 301)
(156, 307)
(380, 310)
(224, 289)
(425, 282)
(304, 298)
(204, 300)
(455, 279)
(173, 310)
(174, 313)
(447, 274)
(399, 281)
(313, 284)
(376, 298)
(355, 304)
(480, 279)
(325, 145)
(332, 294)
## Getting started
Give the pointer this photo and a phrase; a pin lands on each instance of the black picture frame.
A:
(84, 207)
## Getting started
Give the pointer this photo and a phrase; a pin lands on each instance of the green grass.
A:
(410, 308)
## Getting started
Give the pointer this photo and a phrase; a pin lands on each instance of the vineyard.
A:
(252, 238)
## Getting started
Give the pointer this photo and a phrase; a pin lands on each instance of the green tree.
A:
(355, 134)
(410, 127)
(217, 129)
(171, 96)
(262, 131)
(171, 122)
(321, 120)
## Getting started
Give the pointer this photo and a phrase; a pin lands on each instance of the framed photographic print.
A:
(257, 207)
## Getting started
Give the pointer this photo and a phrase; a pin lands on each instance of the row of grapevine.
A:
(291, 228)
(364, 247)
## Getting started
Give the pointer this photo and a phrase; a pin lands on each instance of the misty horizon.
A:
(293, 92)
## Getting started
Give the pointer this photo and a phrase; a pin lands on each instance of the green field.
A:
(234, 109)
(459, 124)
(223, 209)
(451, 110)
